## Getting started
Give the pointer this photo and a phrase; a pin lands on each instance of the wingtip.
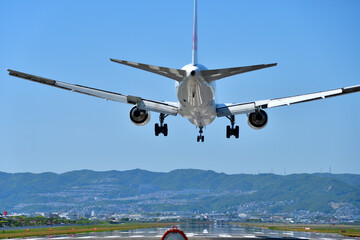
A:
(115, 60)
(270, 65)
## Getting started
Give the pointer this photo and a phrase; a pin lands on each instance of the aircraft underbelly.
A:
(196, 98)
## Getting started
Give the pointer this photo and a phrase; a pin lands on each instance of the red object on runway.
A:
(174, 234)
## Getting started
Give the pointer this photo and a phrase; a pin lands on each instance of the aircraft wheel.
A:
(165, 130)
(202, 138)
(198, 139)
(237, 132)
(157, 129)
(228, 131)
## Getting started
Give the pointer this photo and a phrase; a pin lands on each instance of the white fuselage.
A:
(196, 96)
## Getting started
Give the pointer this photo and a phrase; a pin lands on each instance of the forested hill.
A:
(178, 190)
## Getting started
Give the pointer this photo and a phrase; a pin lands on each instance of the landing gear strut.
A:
(162, 128)
(232, 130)
(200, 137)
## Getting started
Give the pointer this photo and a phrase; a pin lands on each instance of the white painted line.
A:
(225, 235)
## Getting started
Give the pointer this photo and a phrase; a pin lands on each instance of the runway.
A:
(194, 238)
(159, 238)
(225, 237)
(199, 232)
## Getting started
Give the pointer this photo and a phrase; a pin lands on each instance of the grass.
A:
(70, 230)
(344, 230)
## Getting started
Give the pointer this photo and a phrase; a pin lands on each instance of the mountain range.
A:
(186, 190)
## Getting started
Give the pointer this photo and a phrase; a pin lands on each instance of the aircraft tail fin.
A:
(176, 74)
(195, 38)
(216, 74)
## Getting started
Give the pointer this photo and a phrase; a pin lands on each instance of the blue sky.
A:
(315, 43)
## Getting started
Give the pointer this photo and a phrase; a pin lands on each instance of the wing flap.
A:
(228, 109)
(160, 107)
(145, 104)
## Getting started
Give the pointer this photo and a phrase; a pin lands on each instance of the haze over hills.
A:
(185, 190)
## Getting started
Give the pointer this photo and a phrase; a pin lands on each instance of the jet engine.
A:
(139, 117)
(258, 120)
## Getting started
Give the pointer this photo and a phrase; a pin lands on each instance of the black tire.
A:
(165, 130)
(202, 138)
(198, 138)
(237, 132)
(228, 131)
(157, 130)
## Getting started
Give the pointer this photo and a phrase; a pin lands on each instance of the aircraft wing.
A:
(229, 109)
(144, 104)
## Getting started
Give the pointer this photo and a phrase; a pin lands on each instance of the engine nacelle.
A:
(139, 117)
(258, 120)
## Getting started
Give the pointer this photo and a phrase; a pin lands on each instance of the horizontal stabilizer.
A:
(176, 74)
(216, 74)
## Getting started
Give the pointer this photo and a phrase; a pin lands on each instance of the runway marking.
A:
(225, 235)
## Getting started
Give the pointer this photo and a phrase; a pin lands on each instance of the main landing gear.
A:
(162, 128)
(232, 130)
(200, 137)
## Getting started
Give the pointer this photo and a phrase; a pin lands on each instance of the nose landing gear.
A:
(162, 128)
(232, 130)
(200, 137)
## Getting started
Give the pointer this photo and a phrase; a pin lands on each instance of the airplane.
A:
(195, 91)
